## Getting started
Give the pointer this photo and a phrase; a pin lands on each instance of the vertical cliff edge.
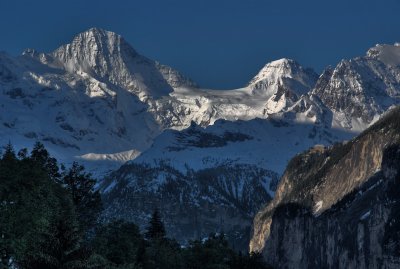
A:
(337, 207)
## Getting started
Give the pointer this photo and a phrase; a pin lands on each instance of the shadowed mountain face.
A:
(193, 204)
(337, 207)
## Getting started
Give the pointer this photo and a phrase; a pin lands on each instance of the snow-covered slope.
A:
(278, 85)
(264, 143)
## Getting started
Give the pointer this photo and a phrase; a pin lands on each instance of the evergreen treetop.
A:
(156, 229)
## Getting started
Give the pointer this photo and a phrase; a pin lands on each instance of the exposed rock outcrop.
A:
(337, 207)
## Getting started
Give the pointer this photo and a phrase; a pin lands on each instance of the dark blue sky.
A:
(220, 44)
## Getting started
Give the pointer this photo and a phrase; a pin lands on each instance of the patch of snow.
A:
(388, 54)
(110, 186)
(365, 215)
(120, 157)
(318, 206)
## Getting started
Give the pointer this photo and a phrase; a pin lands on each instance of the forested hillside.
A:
(50, 219)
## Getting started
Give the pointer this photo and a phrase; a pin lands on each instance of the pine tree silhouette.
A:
(156, 229)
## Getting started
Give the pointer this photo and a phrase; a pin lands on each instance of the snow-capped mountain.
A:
(282, 83)
(99, 101)
(85, 99)
(359, 90)
(278, 85)
(108, 57)
(284, 110)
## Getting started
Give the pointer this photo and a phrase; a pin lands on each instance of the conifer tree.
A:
(8, 165)
(156, 229)
(38, 223)
(86, 199)
(63, 247)
(41, 157)
(9, 153)
(120, 243)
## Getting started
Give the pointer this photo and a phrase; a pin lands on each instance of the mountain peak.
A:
(388, 54)
(106, 56)
(97, 30)
(280, 75)
(286, 62)
(283, 65)
(93, 49)
(99, 35)
(277, 69)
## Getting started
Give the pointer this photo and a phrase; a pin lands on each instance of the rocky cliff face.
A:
(337, 207)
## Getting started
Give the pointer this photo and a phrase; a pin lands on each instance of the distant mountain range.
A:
(217, 154)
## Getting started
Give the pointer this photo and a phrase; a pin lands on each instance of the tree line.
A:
(49, 219)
